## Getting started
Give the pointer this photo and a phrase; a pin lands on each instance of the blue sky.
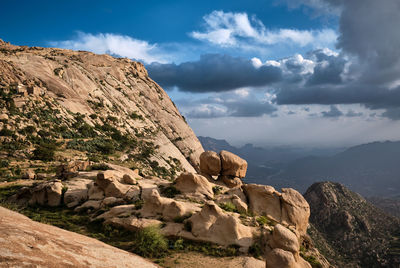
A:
(293, 72)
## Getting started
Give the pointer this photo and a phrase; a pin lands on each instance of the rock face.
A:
(212, 224)
(39, 245)
(48, 193)
(288, 206)
(95, 89)
(194, 184)
(233, 165)
(347, 228)
(210, 163)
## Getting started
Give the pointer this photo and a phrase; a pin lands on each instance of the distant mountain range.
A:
(371, 169)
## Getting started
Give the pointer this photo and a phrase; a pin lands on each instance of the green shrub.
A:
(150, 243)
(217, 189)
(262, 220)
(6, 132)
(4, 163)
(311, 260)
(135, 116)
(44, 152)
(101, 166)
(228, 206)
(170, 191)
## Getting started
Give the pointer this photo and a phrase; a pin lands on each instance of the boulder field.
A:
(212, 206)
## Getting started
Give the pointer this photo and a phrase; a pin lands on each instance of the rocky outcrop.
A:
(212, 224)
(194, 185)
(48, 193)
(285, 248)
(289, 206)
(35, 244)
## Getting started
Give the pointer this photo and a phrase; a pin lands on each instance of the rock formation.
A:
(35, 244)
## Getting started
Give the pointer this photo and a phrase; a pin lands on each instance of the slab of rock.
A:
(70, 170)
(133, 223)
(210, 163)
(90, 204)
(77, 191)
(194, 184)
(232, 164)
(264, 200)
(212, 224)
(95, 192)
(295, 209)
(112, 201)
(47, 194)
(26, 243)
(168, 208)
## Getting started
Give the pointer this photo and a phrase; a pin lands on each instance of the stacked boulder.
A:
(229, 167)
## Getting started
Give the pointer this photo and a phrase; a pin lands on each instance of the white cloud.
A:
(120, 45)
(229, 29)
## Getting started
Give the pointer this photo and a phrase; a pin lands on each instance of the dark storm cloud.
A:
(369, 42)
(213, 73)
(333, 112)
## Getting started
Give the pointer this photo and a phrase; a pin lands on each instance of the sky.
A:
(319, 73)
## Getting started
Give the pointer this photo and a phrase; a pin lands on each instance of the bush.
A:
(262, 220)
(149, 242)
(101, 166)
(228, 206)
(44, 152)
(170, 191)
(135, 116)
(217, 189)
(6, 132)
(4, 163)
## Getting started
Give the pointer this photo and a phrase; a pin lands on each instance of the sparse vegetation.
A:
(149, 242)
(228, 206)
(44, 152)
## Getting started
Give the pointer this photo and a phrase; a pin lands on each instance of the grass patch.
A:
(169, 191)
(228, 206)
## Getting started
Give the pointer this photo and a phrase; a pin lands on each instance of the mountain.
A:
(349, 230)
(369, 169)
(59, 104)
(91, 144)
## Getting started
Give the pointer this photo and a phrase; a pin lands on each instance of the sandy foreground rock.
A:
(41, 245)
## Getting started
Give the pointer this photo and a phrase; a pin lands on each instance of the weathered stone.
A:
(232, 165)
(27, 243)
(194, 184)
(47, 193)
(91, 204)
(70, 170)
(168, 208)
(239, 204)
(110, 185)
(264, 200)
(285, 239)
(128, 180)
(279, 258)
(213, 225)
(95, 193)
(210, 163)
(295, 209)
(29, 175)
(112, 201)
(77, 191)
(230, 181)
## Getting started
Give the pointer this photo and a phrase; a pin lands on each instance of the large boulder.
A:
(279, 258)
(212, 224)
(47, 193)
(232, 164)
(264, 200)
(230, 181)
(110, 184)
(29, 175)
(285, 239)
(194, 185)
(210, 163)
(70, 170)
(295, 209)
(77, 191)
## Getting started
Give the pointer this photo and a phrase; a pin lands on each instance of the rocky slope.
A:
(103, 151)
(350, 231)
(40, 245)
(79, 104)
